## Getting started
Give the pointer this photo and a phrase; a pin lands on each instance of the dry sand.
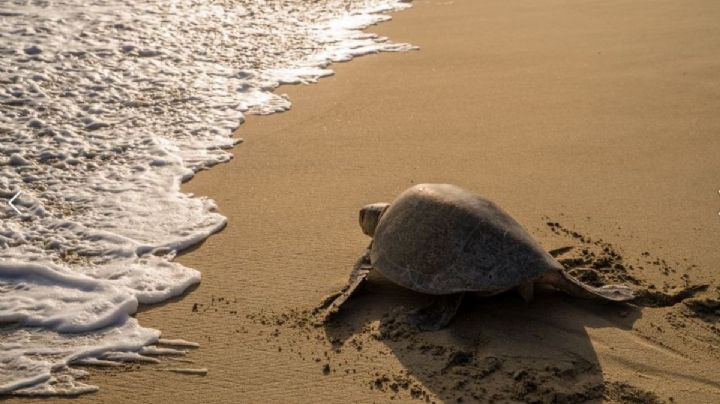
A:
(600, 116)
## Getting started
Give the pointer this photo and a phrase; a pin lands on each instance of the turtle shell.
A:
(440, 239)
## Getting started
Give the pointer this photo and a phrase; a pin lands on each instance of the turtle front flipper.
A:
(568, 284)
(438, 314)
(332, 303)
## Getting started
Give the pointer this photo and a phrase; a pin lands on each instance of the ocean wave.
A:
(106, 110)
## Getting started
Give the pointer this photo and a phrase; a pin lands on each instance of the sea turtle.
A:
(442, 240)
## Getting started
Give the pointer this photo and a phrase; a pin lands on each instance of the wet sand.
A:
(599, 118)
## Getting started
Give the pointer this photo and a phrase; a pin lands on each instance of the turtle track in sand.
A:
(497, 349)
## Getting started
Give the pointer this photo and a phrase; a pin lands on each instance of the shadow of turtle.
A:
(496, 349)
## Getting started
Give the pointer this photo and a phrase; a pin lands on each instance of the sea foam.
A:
(106, 108)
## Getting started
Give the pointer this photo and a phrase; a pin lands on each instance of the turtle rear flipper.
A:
(332, 303)
(438, 314)
(560, 251)
(568, 284)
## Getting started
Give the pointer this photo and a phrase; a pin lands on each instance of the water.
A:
(105, 108)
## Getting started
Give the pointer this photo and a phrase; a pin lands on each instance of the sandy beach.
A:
(595, 124)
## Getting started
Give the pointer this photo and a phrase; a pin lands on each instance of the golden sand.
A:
(601, 116)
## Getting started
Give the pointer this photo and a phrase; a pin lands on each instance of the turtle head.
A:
(370, 216)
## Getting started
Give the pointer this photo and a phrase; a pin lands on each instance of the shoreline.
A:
(541, 108)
